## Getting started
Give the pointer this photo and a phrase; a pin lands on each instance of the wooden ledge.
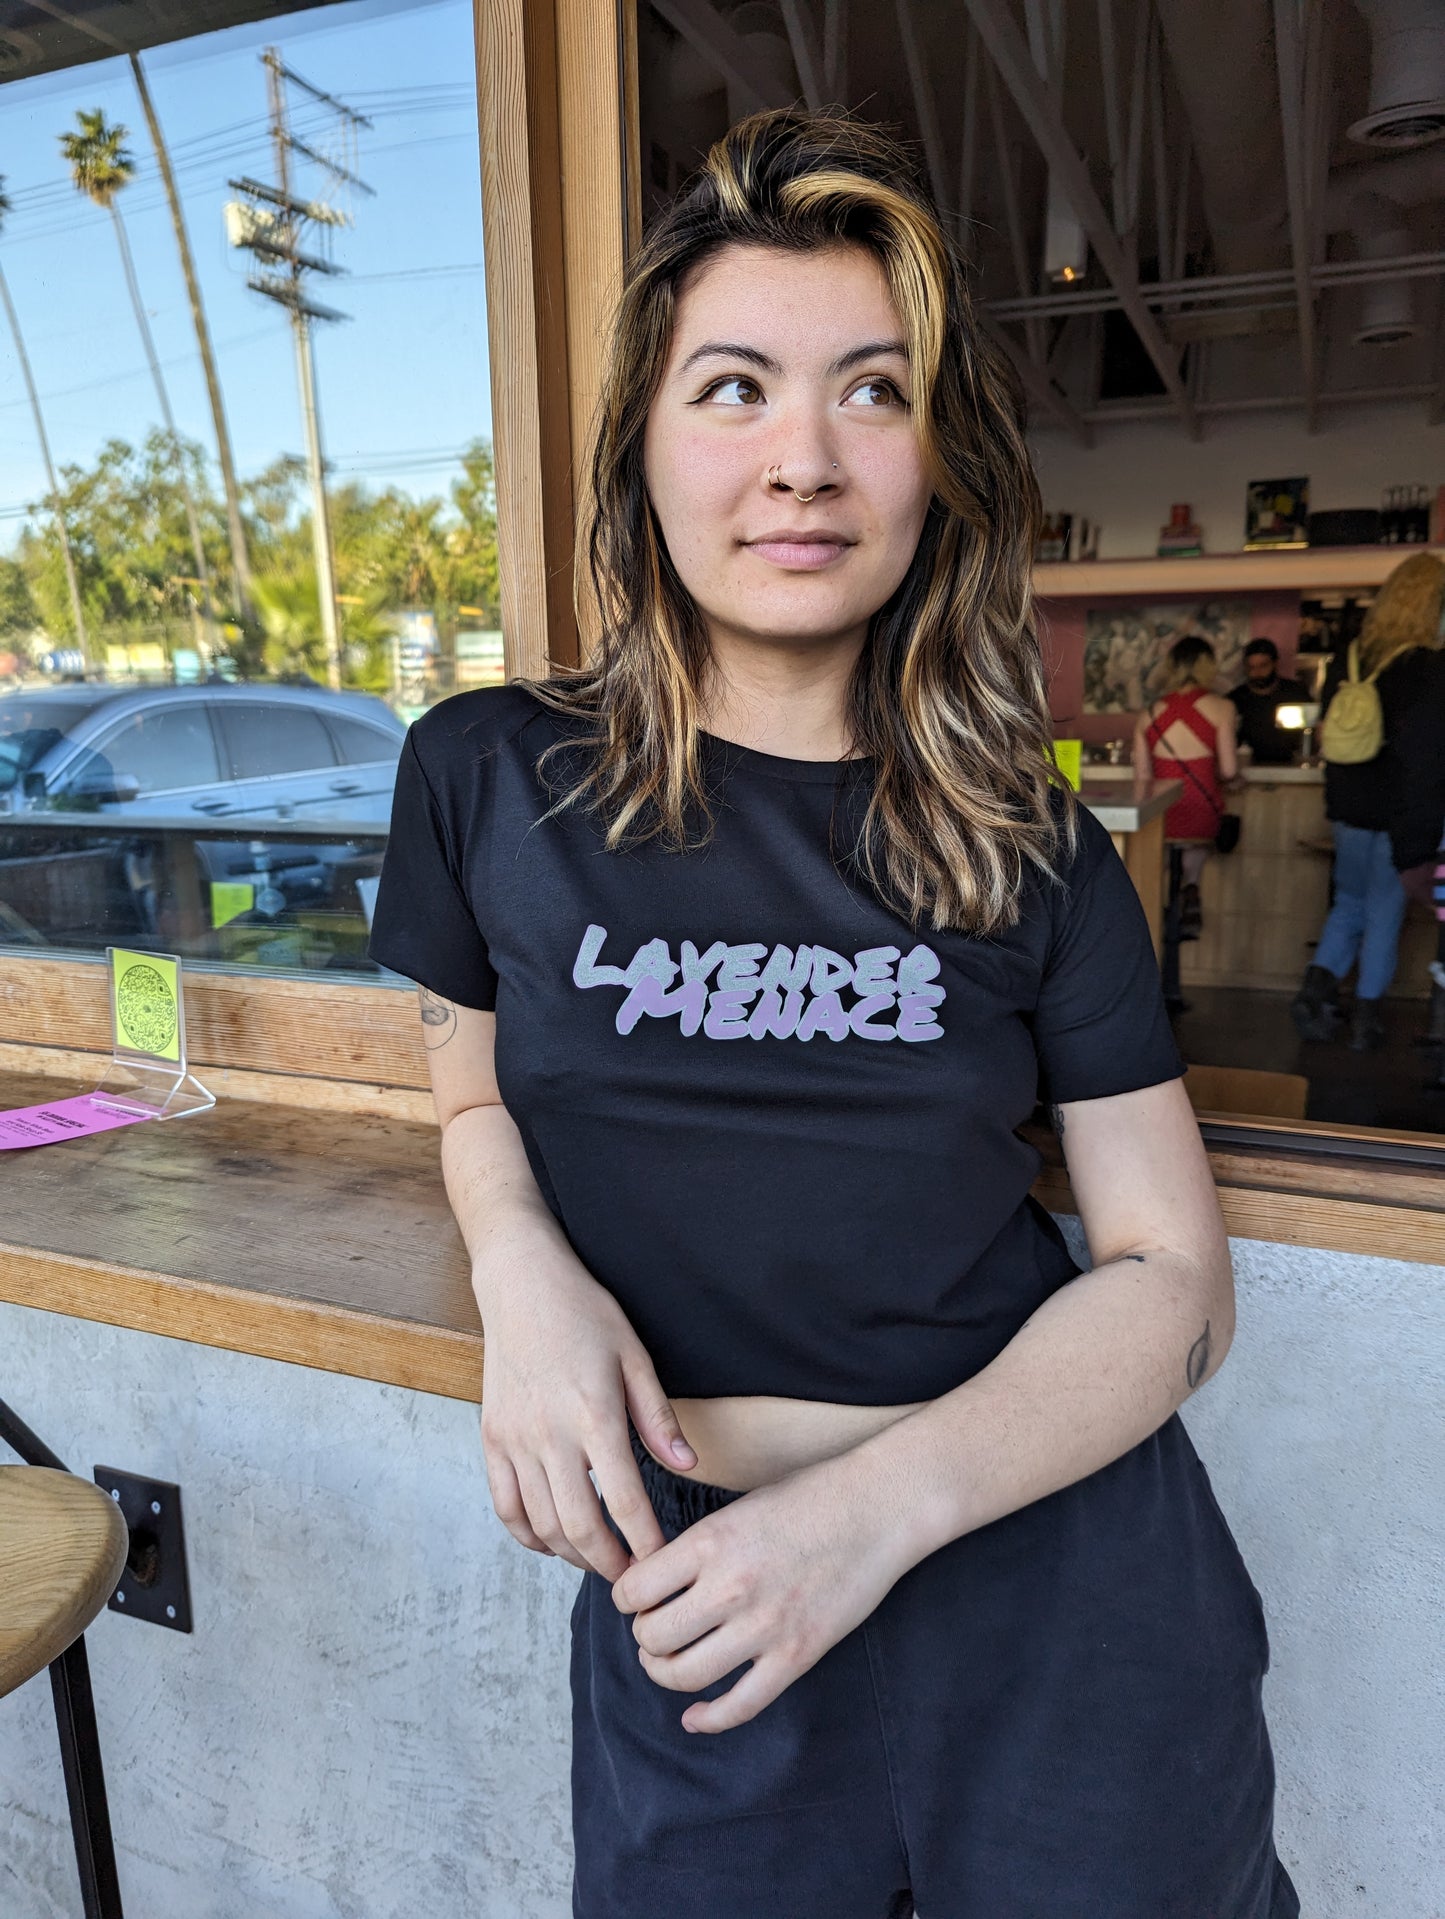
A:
(324, 1239)
(320, 1238)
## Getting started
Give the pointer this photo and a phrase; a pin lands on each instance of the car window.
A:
(359, 742)
(29, 727)
(173, 747)
(269, 740)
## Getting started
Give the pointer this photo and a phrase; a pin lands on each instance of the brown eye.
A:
(878, 393)
(736, 391)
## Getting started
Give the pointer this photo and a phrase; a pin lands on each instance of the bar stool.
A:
(63, 1548)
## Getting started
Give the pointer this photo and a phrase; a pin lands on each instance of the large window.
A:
(1134, 248)
(247, 518)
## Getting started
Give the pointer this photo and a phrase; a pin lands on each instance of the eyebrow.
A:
(754, 356)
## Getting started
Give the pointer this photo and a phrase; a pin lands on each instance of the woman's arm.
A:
(1143, 759)
(1104, 1362)
(781, 1575)
(562, 1365)
(1225, 715)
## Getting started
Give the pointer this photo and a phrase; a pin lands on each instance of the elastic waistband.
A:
(676, 1500)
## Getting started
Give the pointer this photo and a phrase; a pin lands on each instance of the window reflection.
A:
(244, 303)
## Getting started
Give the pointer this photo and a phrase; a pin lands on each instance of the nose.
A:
(804, 457)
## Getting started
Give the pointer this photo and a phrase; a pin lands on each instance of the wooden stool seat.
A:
(63, 1545)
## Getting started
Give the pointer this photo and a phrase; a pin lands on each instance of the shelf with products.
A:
(1305, 569)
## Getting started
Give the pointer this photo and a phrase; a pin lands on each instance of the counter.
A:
(1136, 826)
(325, 1239)
(1264, 904)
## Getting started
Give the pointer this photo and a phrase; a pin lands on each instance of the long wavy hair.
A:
(1405, 613)
(948, 698)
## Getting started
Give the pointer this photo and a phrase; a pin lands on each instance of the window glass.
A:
(266, 740)
(359, 744)
(296, 186)
(1305, 965)
(163, 751)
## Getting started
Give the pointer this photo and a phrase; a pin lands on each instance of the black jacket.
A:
(1402, 790)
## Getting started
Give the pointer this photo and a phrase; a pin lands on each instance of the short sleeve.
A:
(422, 926)
(1100, 1025)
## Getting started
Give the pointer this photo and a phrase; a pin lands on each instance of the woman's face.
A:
(794, 361)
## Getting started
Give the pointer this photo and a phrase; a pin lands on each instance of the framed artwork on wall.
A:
(1126, 648)
(1276, 513)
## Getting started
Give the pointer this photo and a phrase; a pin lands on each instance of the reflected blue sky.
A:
(403, 382)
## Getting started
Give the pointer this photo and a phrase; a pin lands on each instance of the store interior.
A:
(1212, 243)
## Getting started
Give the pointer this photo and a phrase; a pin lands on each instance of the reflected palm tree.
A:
(240, 560)
(23, 357)
(101, 168)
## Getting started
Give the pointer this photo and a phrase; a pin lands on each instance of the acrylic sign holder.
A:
(147, 1075)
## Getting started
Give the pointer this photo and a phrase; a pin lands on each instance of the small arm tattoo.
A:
(438, 1017)
(1056, 1114)
(1197, 1364)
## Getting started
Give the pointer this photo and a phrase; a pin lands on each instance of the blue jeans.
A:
(1364, 922)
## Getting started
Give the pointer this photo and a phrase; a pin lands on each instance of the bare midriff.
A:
(746, 1442)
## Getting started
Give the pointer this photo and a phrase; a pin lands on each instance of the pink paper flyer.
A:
(61, 1119)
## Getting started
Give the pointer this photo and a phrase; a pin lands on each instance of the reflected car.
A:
(192, 753)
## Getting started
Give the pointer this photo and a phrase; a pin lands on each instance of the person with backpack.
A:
(1375, 752)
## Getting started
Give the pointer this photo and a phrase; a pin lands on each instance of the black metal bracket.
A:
(155, 1584)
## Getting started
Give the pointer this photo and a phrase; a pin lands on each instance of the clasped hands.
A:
(777, 1576)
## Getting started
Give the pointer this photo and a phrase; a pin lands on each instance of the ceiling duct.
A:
(1407, 75)
(760, 26)
(1389, 311)
(1368, 202)
(1223, 65)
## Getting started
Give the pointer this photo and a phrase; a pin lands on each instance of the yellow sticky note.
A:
(1068, 756)
(230, 897)
(145, 990)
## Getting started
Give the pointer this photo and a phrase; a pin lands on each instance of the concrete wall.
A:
(370, 1720)
(1129, 479)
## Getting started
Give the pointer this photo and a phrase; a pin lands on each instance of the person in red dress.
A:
(1189, 735)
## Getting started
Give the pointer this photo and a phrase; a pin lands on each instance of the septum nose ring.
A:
(775, 478)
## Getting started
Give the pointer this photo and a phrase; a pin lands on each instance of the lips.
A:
(798, 549)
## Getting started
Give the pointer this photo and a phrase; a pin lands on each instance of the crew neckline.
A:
(774, 766)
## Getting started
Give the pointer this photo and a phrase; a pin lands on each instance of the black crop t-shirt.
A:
(777, 1124)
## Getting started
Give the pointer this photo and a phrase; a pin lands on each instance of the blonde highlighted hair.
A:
(1405, 612)
(948, 697)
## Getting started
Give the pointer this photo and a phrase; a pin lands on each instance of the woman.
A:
(1368, 801)
(1188, 735)
(891, 1503)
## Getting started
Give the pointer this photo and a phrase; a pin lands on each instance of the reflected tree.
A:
(101, 167)
(76, 611)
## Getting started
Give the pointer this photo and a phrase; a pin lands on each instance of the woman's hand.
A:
(561, 1365)
(776, 1577)
(561, 1370)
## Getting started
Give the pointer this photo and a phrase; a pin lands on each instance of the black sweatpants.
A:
(1056, 1717)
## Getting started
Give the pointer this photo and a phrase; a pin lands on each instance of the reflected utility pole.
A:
(271, 226)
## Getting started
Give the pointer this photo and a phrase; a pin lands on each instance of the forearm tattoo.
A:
(438, 1018)
(1056, 1114)
(1196, 1367)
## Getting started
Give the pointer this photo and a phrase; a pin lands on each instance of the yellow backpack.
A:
(1353, 729)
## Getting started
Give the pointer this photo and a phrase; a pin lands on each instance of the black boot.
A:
(1367, 1026)
(1191, 911)
(1315, 1008)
